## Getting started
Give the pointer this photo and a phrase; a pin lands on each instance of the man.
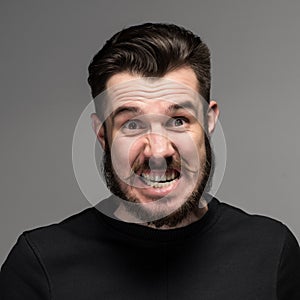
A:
(160, 235)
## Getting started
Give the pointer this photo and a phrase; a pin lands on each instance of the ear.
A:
(99, 130)
(212, 116)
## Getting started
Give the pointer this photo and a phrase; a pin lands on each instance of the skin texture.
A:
(155, 127)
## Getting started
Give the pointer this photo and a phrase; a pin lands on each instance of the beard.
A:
(190, 204)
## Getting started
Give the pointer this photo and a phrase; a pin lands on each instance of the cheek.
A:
(124, 152)
(190, 146)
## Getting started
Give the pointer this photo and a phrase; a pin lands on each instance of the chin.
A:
(153, 209)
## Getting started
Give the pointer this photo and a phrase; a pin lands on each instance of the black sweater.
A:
(228, 254)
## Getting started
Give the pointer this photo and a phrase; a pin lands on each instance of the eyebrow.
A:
(125, 109)
(185, 105)
(136, 110)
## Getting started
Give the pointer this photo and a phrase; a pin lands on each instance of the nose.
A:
(158, 145)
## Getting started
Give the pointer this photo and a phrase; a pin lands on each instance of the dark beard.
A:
(190, 205)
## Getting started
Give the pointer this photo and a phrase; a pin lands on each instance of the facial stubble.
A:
(174, 218)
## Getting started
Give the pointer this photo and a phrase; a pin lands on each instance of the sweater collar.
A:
(138, 231)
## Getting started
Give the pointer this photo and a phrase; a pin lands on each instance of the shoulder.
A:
(28, 268)
(253, 228)
(234, 216)
(77, 226)
(49, 244)
(257, 233)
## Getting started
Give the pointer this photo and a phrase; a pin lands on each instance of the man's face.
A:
(156, 140)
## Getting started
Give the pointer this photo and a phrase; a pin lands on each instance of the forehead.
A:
(150, 95)
(176, 87)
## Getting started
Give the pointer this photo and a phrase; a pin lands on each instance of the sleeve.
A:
(22, 275)
(288, 277)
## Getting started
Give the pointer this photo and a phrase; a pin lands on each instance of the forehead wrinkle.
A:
(146, 91)
(170, 96)
(133, 93)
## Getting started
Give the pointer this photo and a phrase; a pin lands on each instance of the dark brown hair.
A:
(151, 50)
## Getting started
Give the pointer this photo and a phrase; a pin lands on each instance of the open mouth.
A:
(158, 180)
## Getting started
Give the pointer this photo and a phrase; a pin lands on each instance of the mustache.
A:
(168, 163)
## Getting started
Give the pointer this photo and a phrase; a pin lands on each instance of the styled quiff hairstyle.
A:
(151, 50)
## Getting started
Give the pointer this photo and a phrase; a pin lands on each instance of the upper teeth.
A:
(158, 178)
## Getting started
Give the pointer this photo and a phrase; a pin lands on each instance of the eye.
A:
(177, 122)
(133, 126)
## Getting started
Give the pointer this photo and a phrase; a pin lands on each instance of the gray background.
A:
(45, 50)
